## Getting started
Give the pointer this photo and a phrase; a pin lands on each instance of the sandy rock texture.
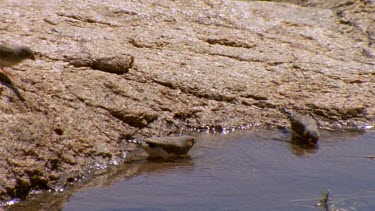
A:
(108, 70)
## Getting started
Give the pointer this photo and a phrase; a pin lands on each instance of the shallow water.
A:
(256, 170)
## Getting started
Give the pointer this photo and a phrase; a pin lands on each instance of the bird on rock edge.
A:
(166, 147)
(11, 55)
(304, 128)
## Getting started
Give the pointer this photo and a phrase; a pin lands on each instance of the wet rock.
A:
(153, 68)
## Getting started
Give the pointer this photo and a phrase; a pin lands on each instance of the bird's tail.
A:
(135, 141)
(286, 112)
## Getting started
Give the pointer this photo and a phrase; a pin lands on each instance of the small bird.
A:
(304, 128)
(166, 147)
(11, 55)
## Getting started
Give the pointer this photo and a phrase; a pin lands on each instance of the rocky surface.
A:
(118, 69)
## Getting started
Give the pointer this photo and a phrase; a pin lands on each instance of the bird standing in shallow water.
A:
(11, 55)
(304, 128)
(166, 147)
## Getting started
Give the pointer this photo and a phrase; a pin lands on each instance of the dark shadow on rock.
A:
(6, 81)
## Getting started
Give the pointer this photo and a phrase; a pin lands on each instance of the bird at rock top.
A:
(166, 147)
(304, 128)
(11, 55)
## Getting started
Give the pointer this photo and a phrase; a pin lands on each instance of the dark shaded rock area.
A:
(119, 69)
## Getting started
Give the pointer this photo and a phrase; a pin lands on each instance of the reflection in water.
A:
(114, 174)
(303, 151)
(157, 167)
(256, 170)
(308, 150)
(295, 145)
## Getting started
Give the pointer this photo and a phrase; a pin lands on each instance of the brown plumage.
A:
(165, 147)
(11, 55)
(304, 128)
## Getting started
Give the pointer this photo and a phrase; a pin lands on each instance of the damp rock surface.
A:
(119, 69)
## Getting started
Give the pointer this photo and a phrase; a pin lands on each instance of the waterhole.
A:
(257, 170)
